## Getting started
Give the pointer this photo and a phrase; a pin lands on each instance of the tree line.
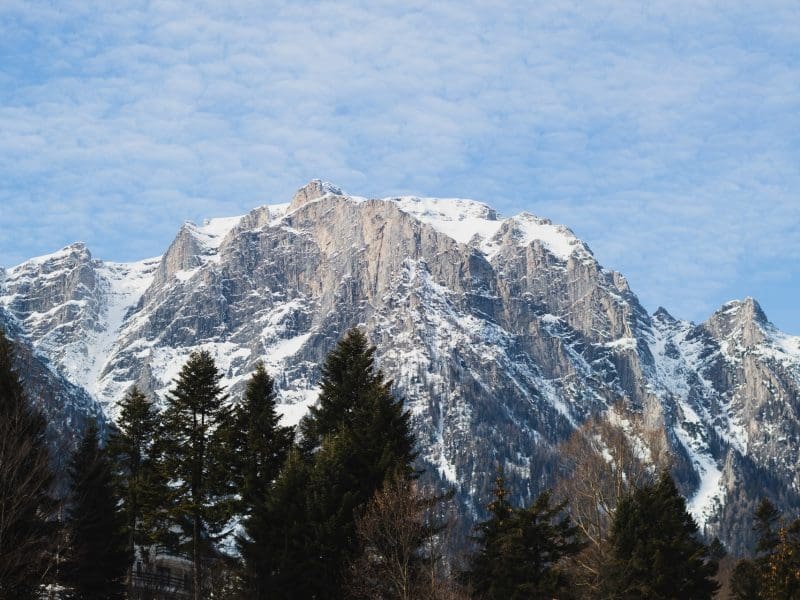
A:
(334, 508)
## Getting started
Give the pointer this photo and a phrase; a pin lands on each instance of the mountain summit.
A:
(313, 190)
(502, 334)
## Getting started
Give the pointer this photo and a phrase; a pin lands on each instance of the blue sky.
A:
(665, 134)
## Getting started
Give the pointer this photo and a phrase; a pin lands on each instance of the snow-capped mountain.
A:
(503, 335)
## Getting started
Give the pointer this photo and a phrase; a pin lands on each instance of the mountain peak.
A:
(744, 311)
(663, 315)
(74, 250)
(313, 190)
(743, 320)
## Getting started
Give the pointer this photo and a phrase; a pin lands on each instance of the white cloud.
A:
(663, 133)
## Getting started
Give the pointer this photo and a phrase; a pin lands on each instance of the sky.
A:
(664, 134)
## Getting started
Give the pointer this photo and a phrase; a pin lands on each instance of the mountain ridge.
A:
(503, 335)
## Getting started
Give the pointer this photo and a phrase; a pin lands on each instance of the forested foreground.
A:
(212, 497)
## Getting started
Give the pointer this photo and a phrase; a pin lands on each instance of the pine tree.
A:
(25, 481)
(746, 581)
(97, 555)
(355, 397)
(520, 549)
(544, 535)
(291, 550)
(138, 480)
(191, 460)
(767, 522)
(356, 436)
(332, 497)
(656, 550)
(260, 443)
(485, 573)
(259, 446)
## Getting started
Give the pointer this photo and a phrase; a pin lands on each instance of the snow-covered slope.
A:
(476, 224)
(67, 407)
(503, 334)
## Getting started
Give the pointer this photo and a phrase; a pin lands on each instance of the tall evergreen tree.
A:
(260, 443)
(259, 447)
(332, 498)
(483, 573)
(656, 550)
(25, 482)
(520, 549)
(131, 448)
(191, 457)
(290, 549)
(767, 523)
(138, 480)
(97, 555)
(355, 397)
(353, 439)
(745, 581)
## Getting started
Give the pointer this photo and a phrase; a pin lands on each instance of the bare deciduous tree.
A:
(402, 535)
(602, 462)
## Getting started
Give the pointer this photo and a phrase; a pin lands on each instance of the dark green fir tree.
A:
(766, 526)
(521, 550)
(355, 397)
(26, 530)
(353, 439)
(139, 482)
(656, 549)
(746, 581)
(290, 547)
(259, 446)
(199, 499)
(485, 574)
(97, 556)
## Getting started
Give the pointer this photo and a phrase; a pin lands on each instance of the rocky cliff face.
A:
(68, 408)
(503, 335)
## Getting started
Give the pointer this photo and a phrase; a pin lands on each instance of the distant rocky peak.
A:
(743, 320)
(260, 217)
(620, 282)
(742, 312)
(313, 190)
(662, 315)
(182, 253)
(66, 269)
(68, 256)
(558, 240)
(751, 310)
(70, 249)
